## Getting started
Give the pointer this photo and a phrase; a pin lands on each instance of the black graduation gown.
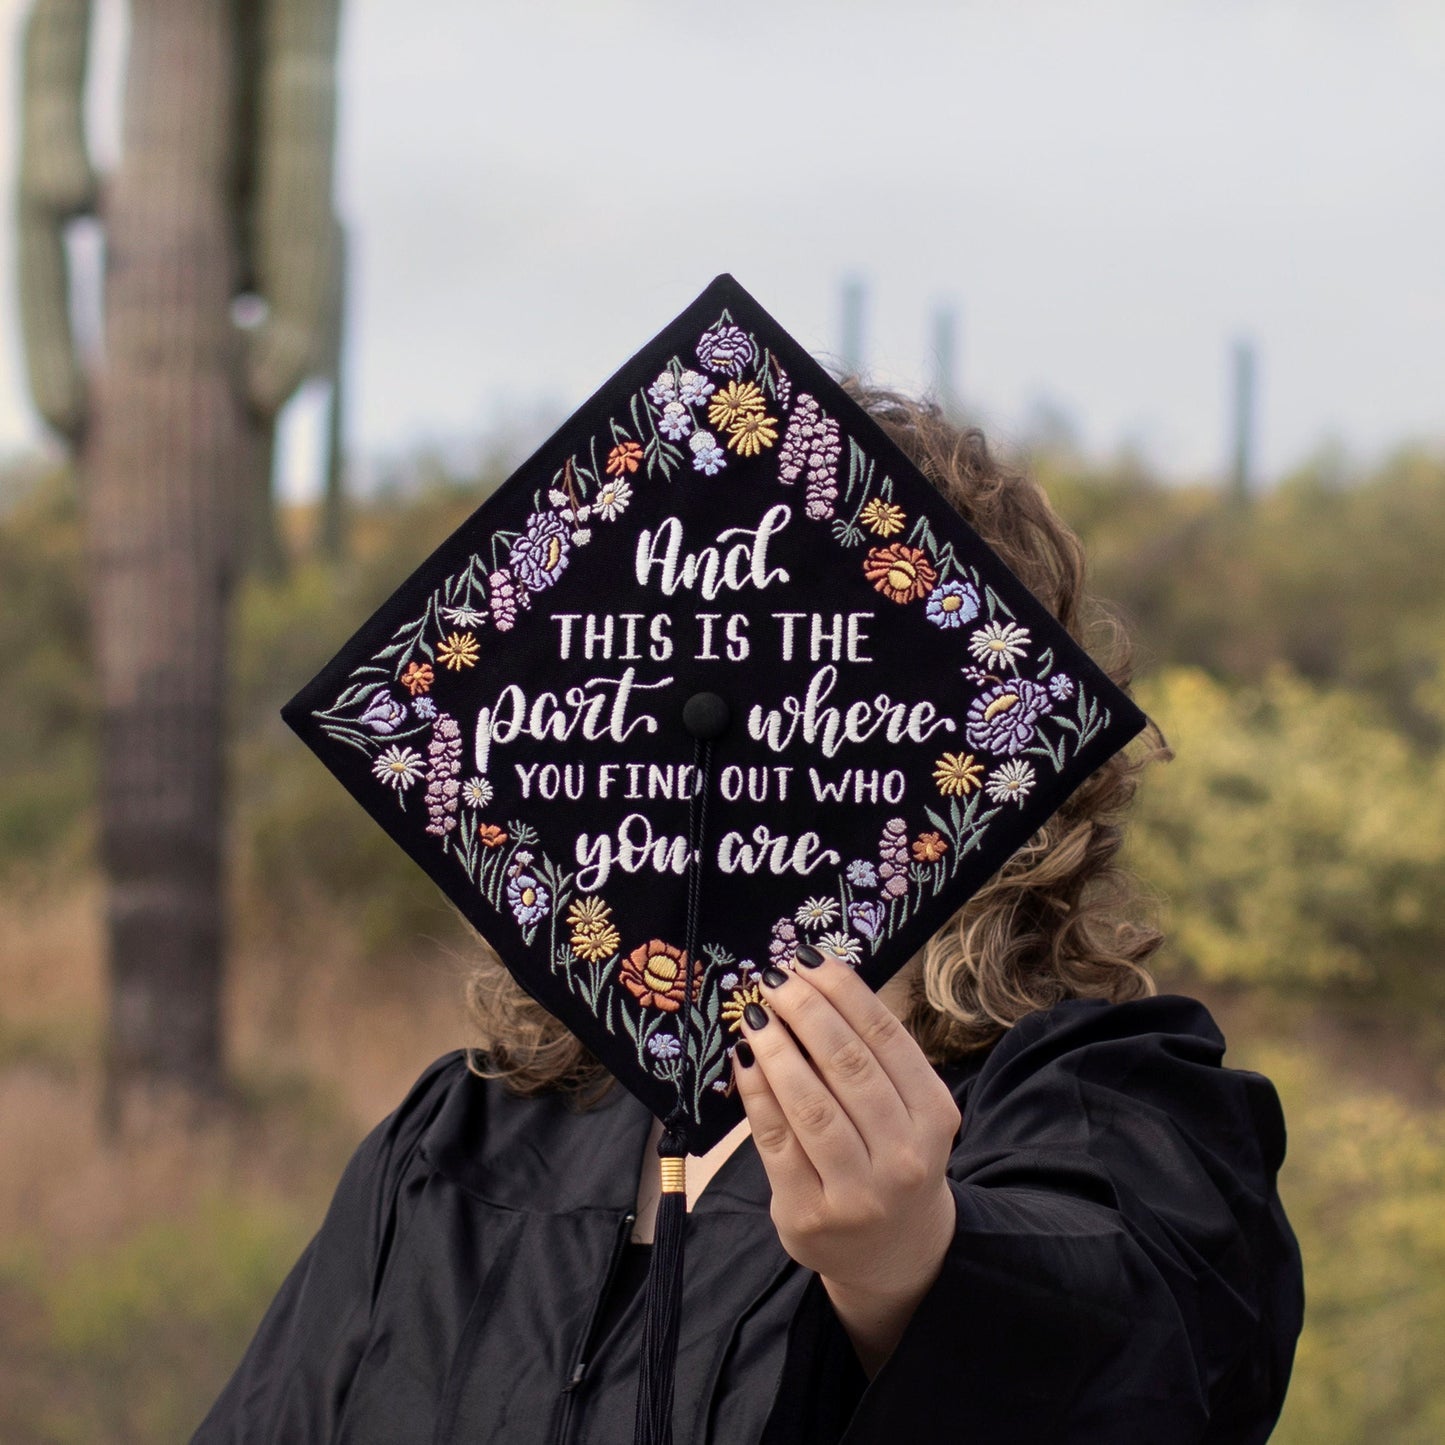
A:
(1122, 1270)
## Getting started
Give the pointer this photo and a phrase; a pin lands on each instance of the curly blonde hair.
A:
(1061, 919)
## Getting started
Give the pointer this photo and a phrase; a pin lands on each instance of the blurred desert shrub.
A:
(1363, 1184)
(1294, 653)
(1298, 838)
(1334, 575)
(126, 1340)
(46, 704)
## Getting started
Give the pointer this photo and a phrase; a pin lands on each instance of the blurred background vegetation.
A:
(1292, 653)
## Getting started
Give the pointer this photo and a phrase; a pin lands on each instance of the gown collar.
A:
(544, 1155)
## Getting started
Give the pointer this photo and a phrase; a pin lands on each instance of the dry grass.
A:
(132, 1271)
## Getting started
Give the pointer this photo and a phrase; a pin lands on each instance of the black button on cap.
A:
(706, 716)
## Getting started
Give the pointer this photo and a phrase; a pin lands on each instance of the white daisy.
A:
(465, 616)
(1012, 782)
(612, 500)
(476, 792)
(999, 642)
(842, 945)
(398, 767)
(817, 912)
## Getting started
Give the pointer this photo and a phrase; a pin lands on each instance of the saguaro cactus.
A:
(169, 434)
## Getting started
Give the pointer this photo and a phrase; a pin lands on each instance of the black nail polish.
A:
(755, 1016)
(743, 1052)
(808, 956)
(774, 976)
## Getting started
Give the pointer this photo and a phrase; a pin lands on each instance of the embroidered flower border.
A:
(694, 420)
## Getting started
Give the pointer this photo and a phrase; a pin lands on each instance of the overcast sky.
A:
(1108, 192)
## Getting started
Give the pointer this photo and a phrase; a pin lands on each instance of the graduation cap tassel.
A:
(705, 717)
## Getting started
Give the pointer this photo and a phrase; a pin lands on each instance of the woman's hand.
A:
(855, 1144)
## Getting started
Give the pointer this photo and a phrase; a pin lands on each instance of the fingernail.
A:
(808, 956)
(774, 976)
(755, 1016)
(743, 1053)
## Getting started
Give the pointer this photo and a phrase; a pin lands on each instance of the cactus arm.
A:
(56, 183)
(293, 240)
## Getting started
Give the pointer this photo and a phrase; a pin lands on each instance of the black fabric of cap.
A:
(718, 556)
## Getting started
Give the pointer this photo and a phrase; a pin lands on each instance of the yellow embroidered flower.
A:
(884, 518)
(957, 774)
(749, 434)
(593, 935)
(458, 651)
(735, 401)
(737, 1001)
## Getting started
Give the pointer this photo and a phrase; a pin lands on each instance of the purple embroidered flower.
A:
(384, 714)
(663, 390)
(862, 874)
(893, 850)
(506, 598)
(675, 421)
(707, 455)
(539, 555)
(783, 387)
(951, 604)
(424, 707)
(663, 1045)
(728, 982)
(693, 389)
(444, 764)
(812, 445)
(823, 471)
(725, 349)
(528, 897)
(866, 917)
(1001, 719)
(783, 943)
(1061, 686)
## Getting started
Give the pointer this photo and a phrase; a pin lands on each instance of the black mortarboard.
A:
(715, 672)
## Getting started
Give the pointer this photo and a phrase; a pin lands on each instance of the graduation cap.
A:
(715, 673)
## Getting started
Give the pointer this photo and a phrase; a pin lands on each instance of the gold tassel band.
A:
(674, 1174)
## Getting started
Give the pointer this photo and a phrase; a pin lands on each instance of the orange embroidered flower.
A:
(901, 573)
(957, 774)
(654, 972)
(624, 457)
(929, 847)
(458, 651)
(418, 677)
(491, 836)
(884, 518)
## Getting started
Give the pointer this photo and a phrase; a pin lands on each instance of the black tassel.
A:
(705, 717)
(663, 1309)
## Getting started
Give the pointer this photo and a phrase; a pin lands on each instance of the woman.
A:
(1013, 1197)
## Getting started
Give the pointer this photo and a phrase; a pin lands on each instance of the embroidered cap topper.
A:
(880, 713)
